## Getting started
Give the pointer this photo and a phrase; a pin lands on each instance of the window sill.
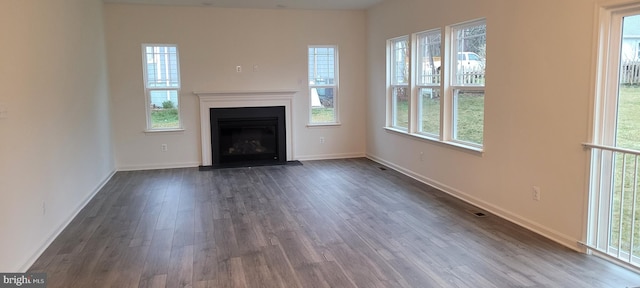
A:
(320, 125)
(459, 146)
(157, 131)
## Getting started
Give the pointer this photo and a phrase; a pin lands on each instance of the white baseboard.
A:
(551, 234)
(329, 156)
(64, 225)
(158, 166)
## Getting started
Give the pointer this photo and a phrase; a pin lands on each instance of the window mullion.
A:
(446, 108)
(413, 109)
(147, 105)
(448, 118)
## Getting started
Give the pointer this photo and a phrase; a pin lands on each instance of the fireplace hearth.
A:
(248, 136)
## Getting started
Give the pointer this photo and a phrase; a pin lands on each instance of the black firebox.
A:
(248, 136)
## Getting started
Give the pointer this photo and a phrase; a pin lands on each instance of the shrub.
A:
(167, 105)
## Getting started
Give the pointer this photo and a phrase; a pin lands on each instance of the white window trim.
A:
(335, 86)
(158, 131)
(147, 91)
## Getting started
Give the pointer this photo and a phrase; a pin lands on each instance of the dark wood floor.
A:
(337, 223)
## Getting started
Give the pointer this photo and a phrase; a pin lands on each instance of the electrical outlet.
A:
(321, 140)
(238, 69)
(421, 156)
(536, 193)
(164, 147)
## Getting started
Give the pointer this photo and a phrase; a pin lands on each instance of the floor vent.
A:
(477, 213)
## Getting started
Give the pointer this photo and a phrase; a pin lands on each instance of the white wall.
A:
(212, 42)
(55, 145)
(537, 107)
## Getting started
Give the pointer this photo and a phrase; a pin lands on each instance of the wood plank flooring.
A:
(334, 223)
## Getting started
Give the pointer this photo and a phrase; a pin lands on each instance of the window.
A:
(323, 84)
(613, 223)
(438, 92)
(467, 82)
(428, 82)
(162, 84)
(399, 82)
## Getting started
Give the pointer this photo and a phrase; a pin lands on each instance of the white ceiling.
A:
(263, 4)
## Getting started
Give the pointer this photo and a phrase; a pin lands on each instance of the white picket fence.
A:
(463, 77)
(630, 72)
(471, 76)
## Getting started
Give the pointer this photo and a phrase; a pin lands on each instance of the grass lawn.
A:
(470, 121)
(402, 114)
(165, 118)
(469, 124)
(322, 115)
(430, 112)
(627, 136)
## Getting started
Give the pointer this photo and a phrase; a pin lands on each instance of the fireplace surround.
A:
(248, 136)
(243, 99)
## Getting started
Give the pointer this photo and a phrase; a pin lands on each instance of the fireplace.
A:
(243, 99)
(248, 136)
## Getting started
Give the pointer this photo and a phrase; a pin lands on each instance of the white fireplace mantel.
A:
(229, 99)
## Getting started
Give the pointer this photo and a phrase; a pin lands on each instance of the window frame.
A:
(392, 85)
(148, 90)
(609, 58)
(455, 87)
(607, 157)
(335, 86)
(447, 86)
